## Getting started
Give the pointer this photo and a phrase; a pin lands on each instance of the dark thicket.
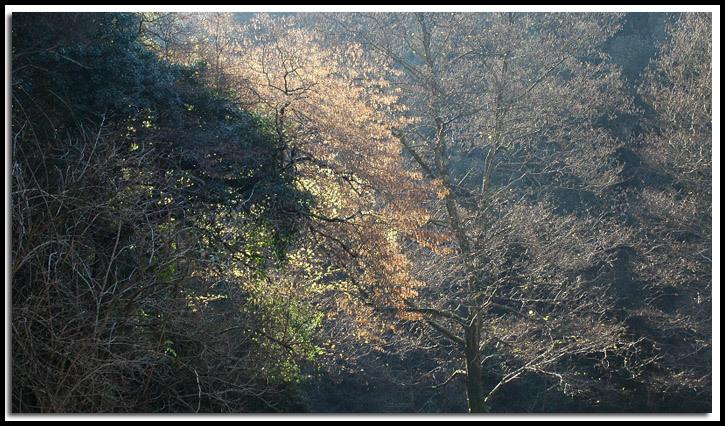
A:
(136, 191)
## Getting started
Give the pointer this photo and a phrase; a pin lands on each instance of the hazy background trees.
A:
(673, 211)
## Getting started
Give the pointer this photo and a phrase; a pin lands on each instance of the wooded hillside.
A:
(361, 213)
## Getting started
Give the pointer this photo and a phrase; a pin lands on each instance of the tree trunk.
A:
(474, 378)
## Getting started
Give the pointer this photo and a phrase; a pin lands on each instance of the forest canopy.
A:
(361, 212)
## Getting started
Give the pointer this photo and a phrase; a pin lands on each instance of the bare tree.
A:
(503, 116)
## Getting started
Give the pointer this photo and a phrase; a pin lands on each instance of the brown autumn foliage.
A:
(335, 135)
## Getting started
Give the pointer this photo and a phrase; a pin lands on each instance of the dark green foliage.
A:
(99, 69)
(136, 192)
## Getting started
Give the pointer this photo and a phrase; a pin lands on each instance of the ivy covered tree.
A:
(146, 212)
